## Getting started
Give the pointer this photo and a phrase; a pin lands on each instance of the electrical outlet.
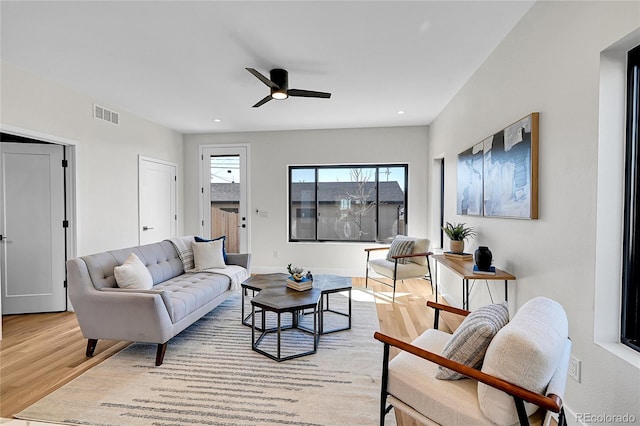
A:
(574, 368)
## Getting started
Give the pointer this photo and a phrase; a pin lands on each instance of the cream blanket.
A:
(236, 274)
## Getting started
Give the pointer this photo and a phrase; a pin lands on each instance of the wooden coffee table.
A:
(328, 285)
(256, 283)
(282, 300)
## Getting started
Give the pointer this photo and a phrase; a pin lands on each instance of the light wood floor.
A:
(41, 352)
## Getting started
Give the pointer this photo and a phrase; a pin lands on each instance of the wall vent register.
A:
(102, 113)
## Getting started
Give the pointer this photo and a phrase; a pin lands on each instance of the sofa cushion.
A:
(133, 274)
(188, 292)
(161, 259)
(400, 247)
(208, 255)
(471, 339)
(525, 352)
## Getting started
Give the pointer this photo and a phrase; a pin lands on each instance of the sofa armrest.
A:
(240, 259)
(551, 403)
(109, 314)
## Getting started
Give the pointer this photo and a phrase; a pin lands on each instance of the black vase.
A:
(483, 258)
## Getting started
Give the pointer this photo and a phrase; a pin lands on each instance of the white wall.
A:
(549, 63)
(106, 155)
(272, 152)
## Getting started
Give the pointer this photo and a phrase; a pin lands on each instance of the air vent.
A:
(102, 113)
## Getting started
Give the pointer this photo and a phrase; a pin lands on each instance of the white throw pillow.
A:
(208, 255)
(133, 274)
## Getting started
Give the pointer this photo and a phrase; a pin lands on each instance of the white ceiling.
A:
(182, 63)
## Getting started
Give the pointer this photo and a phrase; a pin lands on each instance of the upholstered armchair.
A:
(450, 380)
(406, 258)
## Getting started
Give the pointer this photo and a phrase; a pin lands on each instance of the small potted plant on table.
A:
(457, 233)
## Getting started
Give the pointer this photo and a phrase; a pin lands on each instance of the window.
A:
(347, 202)
(630, 332)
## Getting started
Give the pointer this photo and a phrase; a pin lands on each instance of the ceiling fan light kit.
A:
(279, 85)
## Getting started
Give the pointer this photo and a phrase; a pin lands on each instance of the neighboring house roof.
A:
(390, 192)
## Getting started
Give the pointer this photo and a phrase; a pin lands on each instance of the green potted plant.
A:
(457, 233)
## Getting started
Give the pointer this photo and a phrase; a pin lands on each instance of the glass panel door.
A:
(224, 196)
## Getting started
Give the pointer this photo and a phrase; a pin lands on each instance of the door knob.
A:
(146, 228)
(3, 237)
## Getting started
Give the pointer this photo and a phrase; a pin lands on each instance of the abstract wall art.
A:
(508, 173)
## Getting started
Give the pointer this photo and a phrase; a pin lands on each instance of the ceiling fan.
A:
(279, 84)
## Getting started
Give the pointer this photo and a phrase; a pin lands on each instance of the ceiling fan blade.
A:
(308, 93)
(263, 101)
(262, 78)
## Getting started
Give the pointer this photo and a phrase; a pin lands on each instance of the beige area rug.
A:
(210, 376)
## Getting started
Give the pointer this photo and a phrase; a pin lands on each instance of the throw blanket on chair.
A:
(237, 274)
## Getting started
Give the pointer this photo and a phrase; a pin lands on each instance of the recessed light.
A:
(216, 120)
(400, 112)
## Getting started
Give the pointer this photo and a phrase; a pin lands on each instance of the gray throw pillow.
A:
(470, 341)
(400, 247)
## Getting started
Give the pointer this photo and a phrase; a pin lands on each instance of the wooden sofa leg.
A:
(162, 348)
(91, 346)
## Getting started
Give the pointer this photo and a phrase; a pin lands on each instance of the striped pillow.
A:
(400, 247)
(471, 339)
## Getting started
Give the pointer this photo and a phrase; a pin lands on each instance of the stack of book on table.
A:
(304, 284)
(458, 256)
(490, 271)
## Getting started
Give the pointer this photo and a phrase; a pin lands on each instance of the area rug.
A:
(210, 376)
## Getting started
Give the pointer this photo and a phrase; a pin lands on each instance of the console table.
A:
(464, 269)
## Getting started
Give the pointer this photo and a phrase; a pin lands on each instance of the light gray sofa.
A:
(176, 300)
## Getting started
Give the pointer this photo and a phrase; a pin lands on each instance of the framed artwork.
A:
(511, 171)
(470, 165)
(498, 177)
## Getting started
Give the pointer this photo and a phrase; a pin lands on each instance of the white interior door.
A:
(157, 200)
(224, 195)
(32, 246)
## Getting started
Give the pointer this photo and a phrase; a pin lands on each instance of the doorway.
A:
(33, 226)
(224, 195)
(157, 217)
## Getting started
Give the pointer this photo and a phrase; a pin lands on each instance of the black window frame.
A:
(630, 325)
(290, 171)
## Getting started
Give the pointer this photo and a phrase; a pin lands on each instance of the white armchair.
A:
(406, 258)
(522, 378)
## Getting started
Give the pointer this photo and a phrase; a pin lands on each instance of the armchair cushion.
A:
(400, 247)
(525, 352)
(471, 339)
(406, 271)
(412, 381)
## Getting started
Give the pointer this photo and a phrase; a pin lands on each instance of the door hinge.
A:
(65, 163)
(175, 178)
(202, 190)
(65, 283)
(65, 223)
(175, 217)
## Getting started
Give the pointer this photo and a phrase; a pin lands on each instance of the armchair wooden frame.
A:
(395, 268)
(549, 402)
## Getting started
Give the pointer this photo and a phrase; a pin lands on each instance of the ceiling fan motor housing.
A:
(281, 78)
